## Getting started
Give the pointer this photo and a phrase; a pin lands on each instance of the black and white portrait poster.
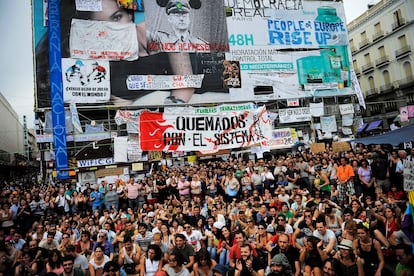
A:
(186, 26)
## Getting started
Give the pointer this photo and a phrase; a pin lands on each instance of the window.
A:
(363, 36)
(371, 83)
(386, 76)
(407, 70)
(381, 51)
(367, 58)
(377, 27)
(403, 41)
(398, 18)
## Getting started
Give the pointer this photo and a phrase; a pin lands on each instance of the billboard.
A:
(180, 51)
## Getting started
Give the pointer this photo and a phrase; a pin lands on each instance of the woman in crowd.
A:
(54, 263)
(98, 261)
(369, 250)
(366, 179)
(85, 245)
(350, 264)
(224, 245)
(204, 264)
(311, 257)
(151, 262)
(27, 266)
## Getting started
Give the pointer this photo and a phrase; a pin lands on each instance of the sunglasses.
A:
(170, 261)
(260, 228)
(101, 237)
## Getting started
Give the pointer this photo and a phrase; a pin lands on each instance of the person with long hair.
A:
(331, 267)
(204, 264)
(151, 262)
(311, 256)
(369, 250)
(350, 264)
(224, 245)
(98, 261)
(54, 263)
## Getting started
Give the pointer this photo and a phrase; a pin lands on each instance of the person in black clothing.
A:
(283, 247)
(248, 264)
(379, 168)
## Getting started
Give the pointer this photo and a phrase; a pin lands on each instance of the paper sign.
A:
(88, 5)
(152, 82)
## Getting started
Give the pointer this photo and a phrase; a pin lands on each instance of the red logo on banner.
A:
(152, 128)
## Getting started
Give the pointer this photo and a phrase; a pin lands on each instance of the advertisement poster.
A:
(85, 81)
(289, 49)
(186, 26)
(205, 129)
(277, 49)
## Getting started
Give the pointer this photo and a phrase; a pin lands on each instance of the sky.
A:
(16, 70)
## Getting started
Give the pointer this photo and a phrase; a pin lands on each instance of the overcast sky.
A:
(16, 70)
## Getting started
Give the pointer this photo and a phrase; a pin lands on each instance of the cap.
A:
(280, 259)
(178, 6)
(270, 229)
(222, 269)
(345, 244)
(218, 224)
(123, 216)
(151, 215)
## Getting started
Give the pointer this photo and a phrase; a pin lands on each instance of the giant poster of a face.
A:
(170, 53)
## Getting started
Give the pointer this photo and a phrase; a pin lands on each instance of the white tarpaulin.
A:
(90, 39)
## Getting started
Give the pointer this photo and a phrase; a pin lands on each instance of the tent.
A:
(394, 137)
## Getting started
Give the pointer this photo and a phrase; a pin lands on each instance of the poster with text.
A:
(204, 129)
(85, 81)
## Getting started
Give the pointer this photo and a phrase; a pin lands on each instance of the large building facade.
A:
(381, 42)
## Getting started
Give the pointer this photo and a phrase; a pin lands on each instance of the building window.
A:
(363, 36)
(377, 27)
(403, 41)
(386, 76)
(407, 70)
(367, 58)
(398, 18)
(381, 51)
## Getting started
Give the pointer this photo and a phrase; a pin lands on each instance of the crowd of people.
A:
(292, 214)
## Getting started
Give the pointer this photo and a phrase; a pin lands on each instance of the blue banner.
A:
(56, 92)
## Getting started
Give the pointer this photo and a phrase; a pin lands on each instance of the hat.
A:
(218, 224)
(178, 6)
(222, 269)
(375, 155)
(280, 259)
(151, 215)
(345, 244)
(123, 216)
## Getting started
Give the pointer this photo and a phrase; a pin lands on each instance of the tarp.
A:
(394, 137)
(373, 125)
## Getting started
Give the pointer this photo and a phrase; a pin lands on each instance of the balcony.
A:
(398, 24)
(377, 35)
(382, 61)
(364, 43)
(367, 67)
(386, 88)
(372, 91)
(406, 81)
(403, 52)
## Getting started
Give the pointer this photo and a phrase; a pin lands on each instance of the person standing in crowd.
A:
(345, 174)
(131, 189)
(380, 173)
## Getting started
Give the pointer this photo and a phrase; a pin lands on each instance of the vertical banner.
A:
(56, 93)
